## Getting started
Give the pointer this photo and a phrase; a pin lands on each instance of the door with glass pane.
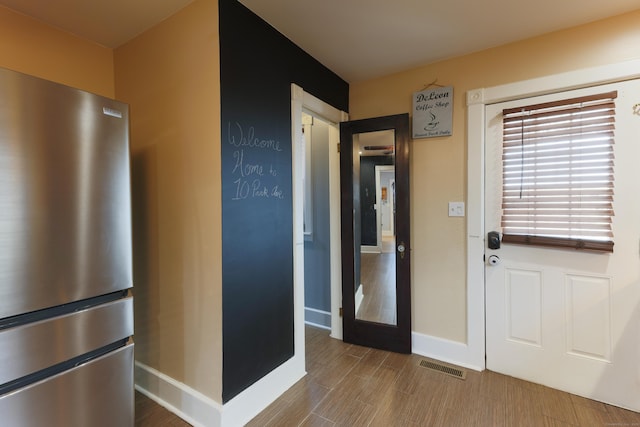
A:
(558, 314)
(376, 272)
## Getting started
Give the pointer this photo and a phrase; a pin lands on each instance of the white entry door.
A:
(570, 318)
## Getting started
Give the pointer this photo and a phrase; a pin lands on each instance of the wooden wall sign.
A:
(433, 112)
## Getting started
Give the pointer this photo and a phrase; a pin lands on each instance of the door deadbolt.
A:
(493, 240)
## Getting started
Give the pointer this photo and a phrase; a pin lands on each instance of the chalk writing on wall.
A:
(255, 160)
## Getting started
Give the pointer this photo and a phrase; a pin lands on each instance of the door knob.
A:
(401, 249)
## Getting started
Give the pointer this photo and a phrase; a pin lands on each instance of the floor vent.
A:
(445, 369)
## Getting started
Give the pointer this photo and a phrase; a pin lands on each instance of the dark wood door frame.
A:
(371, 334)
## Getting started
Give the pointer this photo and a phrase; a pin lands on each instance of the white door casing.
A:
(472, 353)
(383, 208)
(564, 318)
(301, 100)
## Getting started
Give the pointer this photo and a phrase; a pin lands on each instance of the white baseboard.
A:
(317, 318)
(317, 325)
(187, 403)
(453, 352)
(202, 411)
(371, 249)
(242, 408)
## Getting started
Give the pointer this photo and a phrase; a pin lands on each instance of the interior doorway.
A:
(305, 104)
(386, 207)
(316, 210)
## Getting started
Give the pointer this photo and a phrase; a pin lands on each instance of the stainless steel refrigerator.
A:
(66, 310)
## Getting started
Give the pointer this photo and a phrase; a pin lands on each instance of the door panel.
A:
(376, 287)
(567, 318)
(587, 316)
(523, 297)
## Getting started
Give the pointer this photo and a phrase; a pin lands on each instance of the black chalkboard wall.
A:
(257, 67)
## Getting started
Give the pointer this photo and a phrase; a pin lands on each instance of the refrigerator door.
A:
(65, 223)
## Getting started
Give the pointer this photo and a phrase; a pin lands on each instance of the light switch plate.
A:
(456, 208)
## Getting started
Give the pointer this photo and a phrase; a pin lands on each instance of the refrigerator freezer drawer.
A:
(97, 394)
(35, 346)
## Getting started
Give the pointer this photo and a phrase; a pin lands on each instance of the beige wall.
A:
(170, 77)
(31, 47)
(438, 165)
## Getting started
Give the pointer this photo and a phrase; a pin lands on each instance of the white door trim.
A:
(380, 169)
(476, 101)
(301, 100)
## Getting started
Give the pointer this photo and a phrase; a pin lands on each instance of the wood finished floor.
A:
(349, 385)
(378, 278)
(150, 414)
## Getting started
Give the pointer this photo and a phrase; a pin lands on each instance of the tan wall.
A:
(438, 165)
(170, 77)
(31, 47)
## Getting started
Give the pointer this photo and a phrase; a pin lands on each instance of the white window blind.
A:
(558, 173)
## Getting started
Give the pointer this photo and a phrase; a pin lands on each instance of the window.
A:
(558, 173)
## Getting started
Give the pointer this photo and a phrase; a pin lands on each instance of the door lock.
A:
(493, 240)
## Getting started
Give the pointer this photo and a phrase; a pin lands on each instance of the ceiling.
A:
(108, 23)
(357, 39)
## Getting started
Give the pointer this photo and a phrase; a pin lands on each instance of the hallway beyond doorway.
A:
(388, 244)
